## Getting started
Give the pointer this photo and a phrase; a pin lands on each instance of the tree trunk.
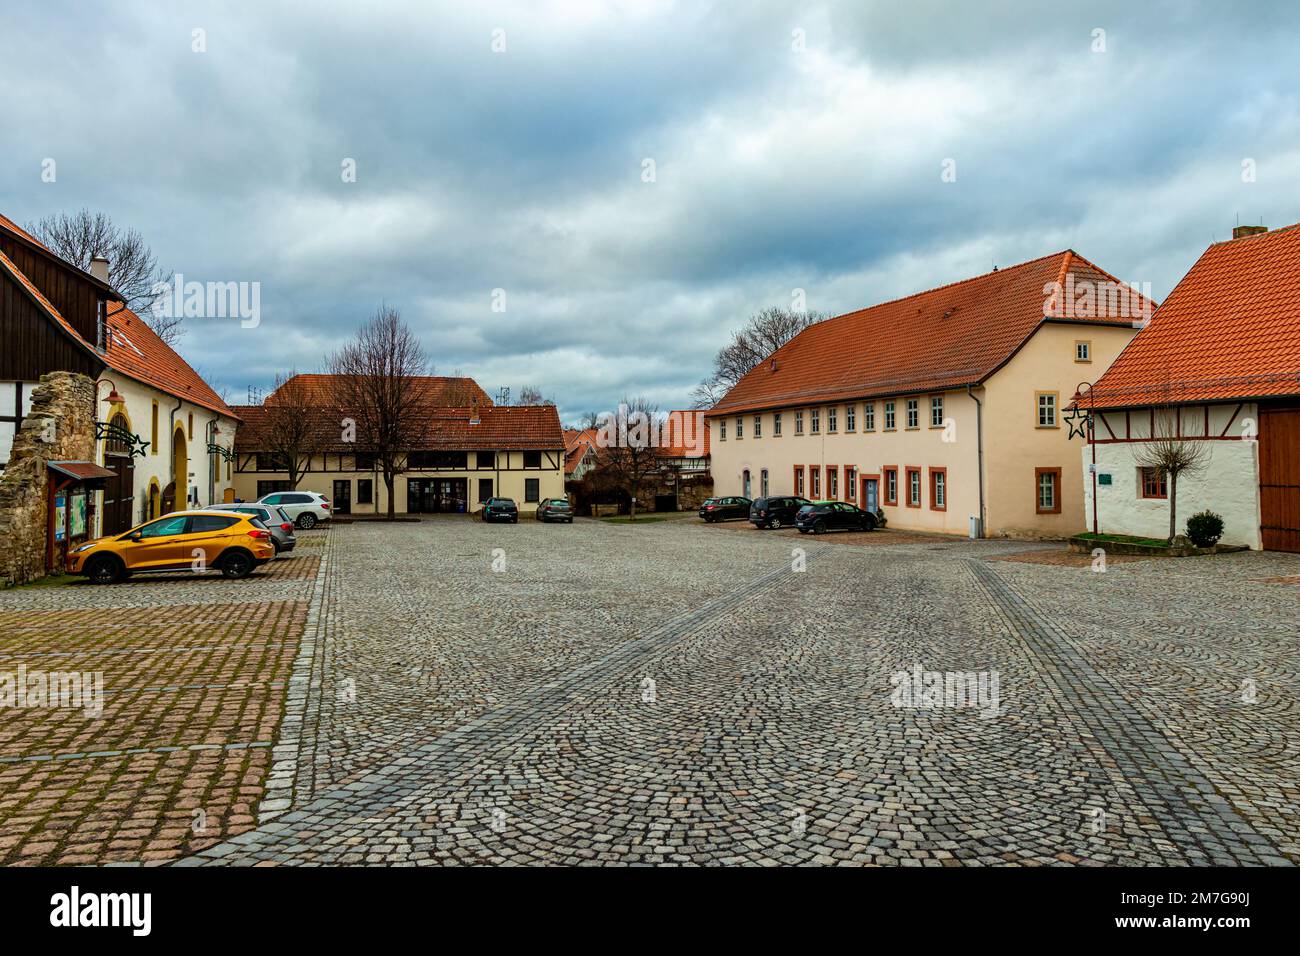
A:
(1173, 506)
(388, 483)
(632, 507)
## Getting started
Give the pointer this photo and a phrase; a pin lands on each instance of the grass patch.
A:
(53, 581)
(624, 519)
(1125, 539)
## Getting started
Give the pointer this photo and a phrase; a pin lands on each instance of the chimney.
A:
(99, 268)
(1239, 232)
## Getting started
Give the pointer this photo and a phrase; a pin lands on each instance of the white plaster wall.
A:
(1228, 486)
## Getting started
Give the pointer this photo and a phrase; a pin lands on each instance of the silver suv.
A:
(276, 519)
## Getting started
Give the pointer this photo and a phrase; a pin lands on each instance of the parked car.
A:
(275, 518)
(501, 509)
(775, 512)
(306, 509)
(823, 516)
(555, 509)
(233, 544)
(721, 509)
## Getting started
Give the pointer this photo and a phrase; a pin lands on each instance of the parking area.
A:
(671, 692)
(148, 711)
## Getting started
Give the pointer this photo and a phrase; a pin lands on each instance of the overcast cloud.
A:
(795, 147)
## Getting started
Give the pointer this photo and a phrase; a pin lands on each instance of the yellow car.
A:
(233, 544)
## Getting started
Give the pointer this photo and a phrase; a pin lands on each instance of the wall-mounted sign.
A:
(1103, 478)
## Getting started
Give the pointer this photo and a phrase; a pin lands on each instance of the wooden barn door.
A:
(1279, 478)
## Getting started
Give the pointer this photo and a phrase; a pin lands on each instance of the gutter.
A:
(979, 443)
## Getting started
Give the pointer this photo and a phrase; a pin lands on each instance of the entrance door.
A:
(745, 482)
(1279, 479)
(870, 494)
(119, 493)
(342, 503)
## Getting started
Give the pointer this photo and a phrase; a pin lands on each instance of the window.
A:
(936, 411)
(850, 483)
(776, 425)
(891, 485)
(533, 459)
(1082, 350)
(722, 429)
(189, 427)
(1046, 409)
(913, 413)
(850, 417)
(740, 428)
(365, 461)
(798, 480)
(267, 487)
(816, 472)
(798, 423)
(441, 460)
(532, 489)
(938, 489)
(203, 523)
(832, 481)
(815, 420)
(1048, 490)
(889, 416)
(268, 461)
(1153, 483)
(762, 482)
(153, 429)
(485, 459)
(365, 491)
(913, 487)
(485, 488)
(869, 417)
(175, 524)
(832, 416)
(758, 426)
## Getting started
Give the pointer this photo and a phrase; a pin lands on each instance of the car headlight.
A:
(84, 547)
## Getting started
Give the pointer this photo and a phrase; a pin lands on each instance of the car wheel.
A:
(276, 545)
(775, 524)
(869, 523)
(237, 564)
(104, 569)
(819, 527)
(306, 521)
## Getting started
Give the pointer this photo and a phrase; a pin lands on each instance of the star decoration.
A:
(1080, 421)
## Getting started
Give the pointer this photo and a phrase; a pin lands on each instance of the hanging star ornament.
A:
(1080, 422)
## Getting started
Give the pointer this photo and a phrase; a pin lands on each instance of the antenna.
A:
(254, 395)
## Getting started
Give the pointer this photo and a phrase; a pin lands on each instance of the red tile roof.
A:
(685, 435)
(947, 337)
(434, 390)
(1229, 330)
(576, 444)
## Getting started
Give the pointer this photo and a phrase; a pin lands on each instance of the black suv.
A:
(775, 512)
(833, 516)
(720, 509)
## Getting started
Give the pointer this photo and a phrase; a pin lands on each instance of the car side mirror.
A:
(137, 536)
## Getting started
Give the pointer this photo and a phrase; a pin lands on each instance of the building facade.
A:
(936, 409)
(469, 450)
(1217, 369)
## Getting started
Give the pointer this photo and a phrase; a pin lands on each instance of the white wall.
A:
(1228, 486)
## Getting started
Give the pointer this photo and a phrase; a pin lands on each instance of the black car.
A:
(501, 509)
(833, 516)
(554, 509)
(722, 509)
(775, 512)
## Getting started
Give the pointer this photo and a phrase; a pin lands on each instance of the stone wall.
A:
(60, 427)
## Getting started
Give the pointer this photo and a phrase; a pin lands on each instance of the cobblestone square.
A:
(672, 693)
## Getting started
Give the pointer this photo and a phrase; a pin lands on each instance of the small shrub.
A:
(1205, 529)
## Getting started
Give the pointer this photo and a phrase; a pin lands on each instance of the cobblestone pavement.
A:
(193, 670)
(673, 693)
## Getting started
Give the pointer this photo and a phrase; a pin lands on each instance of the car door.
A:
(205, 539)
(161, 544)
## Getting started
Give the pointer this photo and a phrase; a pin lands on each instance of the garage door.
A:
(1279, 478)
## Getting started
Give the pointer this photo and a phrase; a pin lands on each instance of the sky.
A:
(589, 197)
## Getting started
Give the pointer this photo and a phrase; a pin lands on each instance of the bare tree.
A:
(532, 395)
(763, 334)
(628, 455)
(292, 423)
(132, 267)
(1172, 456)
(376, 379)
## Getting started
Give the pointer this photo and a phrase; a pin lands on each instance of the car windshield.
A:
(560, 505)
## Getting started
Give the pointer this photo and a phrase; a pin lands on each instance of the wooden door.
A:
(1279, 478)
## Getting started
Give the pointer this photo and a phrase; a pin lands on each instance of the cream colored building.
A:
(936, 408)
(469, 453)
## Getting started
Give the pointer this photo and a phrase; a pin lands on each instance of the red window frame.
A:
(850, 482)
(798, 481)
(814, 482)
(1056, 492)
(833, 494)
(1151, 482)
(888, 478)
(913, 470)
(934, 506)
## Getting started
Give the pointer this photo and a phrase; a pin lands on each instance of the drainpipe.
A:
(979, 443)
(212, 465)
(171, 429)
